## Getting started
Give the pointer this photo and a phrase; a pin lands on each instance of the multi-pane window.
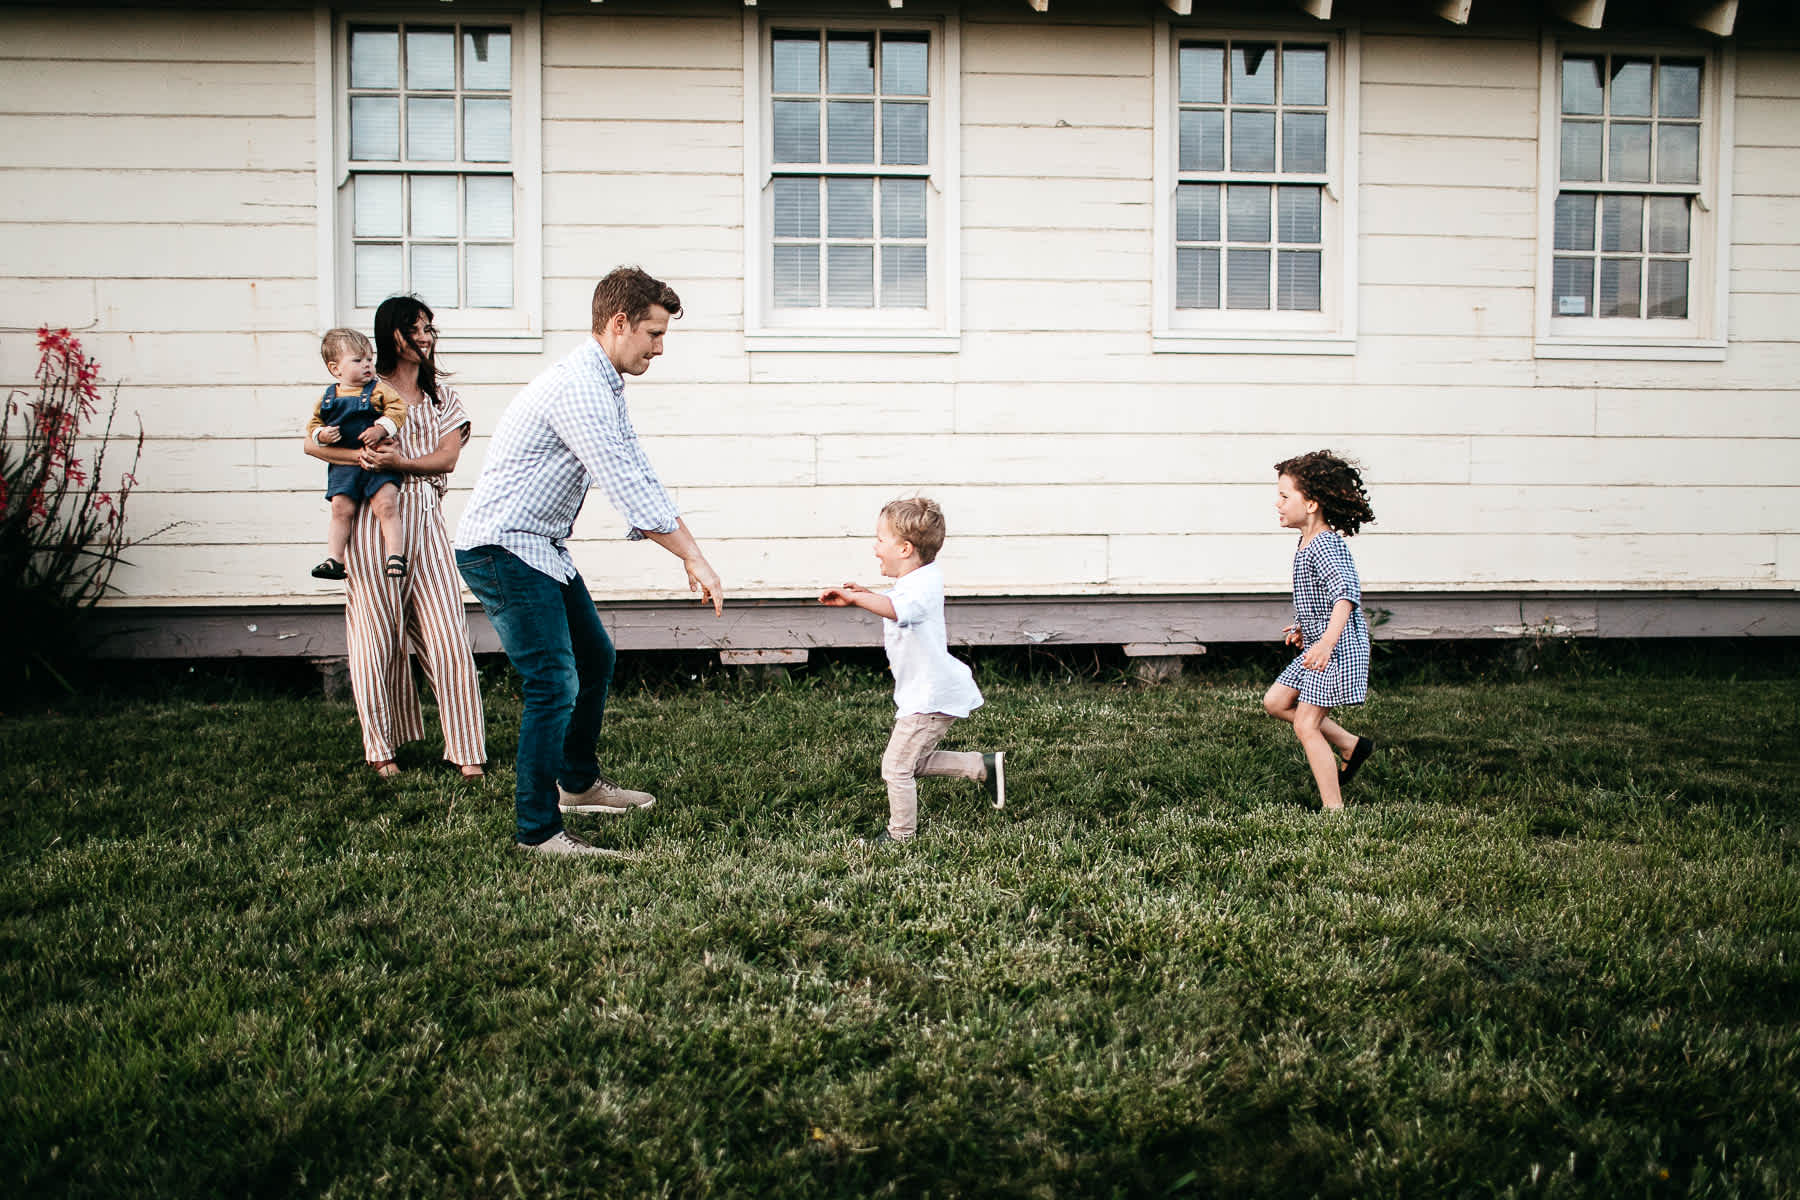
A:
(1629, 179)
(431, 163)
(1252, 169)
(851, 162)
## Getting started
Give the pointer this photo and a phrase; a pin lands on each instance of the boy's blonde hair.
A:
(337, 341)
(919, 521)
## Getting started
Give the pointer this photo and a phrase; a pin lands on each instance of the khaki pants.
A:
(912, 751)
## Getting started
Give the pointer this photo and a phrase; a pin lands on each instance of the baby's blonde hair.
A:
(332, 348)
(917, 520)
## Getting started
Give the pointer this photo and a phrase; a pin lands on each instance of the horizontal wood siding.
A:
(160, 173)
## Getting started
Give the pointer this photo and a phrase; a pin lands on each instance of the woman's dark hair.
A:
(398, 314)
(1335, 485)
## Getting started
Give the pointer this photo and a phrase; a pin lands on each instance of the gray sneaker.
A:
(604, 797)
(995, 783)
(566, 845)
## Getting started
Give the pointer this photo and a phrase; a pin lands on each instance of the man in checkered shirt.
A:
(566, 432)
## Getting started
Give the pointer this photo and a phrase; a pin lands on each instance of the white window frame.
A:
(518, 329)
(1332, 330)
(1702, 336)
(936, 328)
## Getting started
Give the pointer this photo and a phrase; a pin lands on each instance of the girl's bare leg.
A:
(1308, 722)
(1282, 702)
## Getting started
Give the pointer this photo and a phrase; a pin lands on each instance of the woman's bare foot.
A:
(387, 770)
(471, 771)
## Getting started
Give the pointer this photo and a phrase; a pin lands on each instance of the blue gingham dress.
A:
(1324, 573)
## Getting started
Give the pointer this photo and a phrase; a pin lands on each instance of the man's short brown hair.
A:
(632, 291)
(339, 342)
(919, 521)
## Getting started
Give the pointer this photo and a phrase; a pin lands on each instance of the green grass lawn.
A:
(1552, 949)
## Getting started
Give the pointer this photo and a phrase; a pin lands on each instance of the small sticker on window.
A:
(1571, 306)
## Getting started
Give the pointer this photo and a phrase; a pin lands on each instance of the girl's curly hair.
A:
(1335, 484)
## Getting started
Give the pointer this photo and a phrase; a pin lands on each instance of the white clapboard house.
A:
(1081, 270)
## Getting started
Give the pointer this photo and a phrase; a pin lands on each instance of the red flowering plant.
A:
(61, 532)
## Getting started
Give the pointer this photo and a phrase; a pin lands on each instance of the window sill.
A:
(1646, 350)
(797, 342)
(1252, 343)
(491, 343)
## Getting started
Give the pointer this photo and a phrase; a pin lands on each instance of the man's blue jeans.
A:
(553, 635)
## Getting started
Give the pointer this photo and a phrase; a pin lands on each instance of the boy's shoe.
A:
(995, 783)
(604, 797)
(566, 845)
(331, 568)
(884, 838)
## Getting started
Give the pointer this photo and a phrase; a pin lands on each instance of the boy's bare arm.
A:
(861, 597)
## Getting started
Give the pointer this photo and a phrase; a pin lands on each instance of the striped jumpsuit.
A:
(436, 628)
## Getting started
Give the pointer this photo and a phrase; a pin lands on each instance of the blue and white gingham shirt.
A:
(566, 431)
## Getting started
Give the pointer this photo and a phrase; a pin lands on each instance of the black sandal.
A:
(396, 566)
(1358, 754)
(331, 568)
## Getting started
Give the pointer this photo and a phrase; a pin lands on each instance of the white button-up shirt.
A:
(567, 431)
(926, 678)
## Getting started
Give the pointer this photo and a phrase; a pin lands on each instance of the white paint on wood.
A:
(1454, 11)
(1589, 14)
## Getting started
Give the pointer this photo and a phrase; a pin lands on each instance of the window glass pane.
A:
(1678, 154)
(1297, 282)
(903, 208)
(797, 208)
(850, 277)
(375, 58)
(487, 130)
(1668, 289)
(1202, 140)
(1196, 278)
(1575, 221)
(1300, 216)
(1619, 280)
(1680, 89)
(430, 59)
(796, 62)
(433, 206)
(797, 276)
(1581, 149)
(1303, 75)
(903, 132)
(1247, 279)
(376, 200)
(850, 131)
(1197, 213)
(487, 63)
(850, 208)
(1668, 225)
(1302, 142)
(489, 208)
(434, 276)
(1252, 141)
(490, 276)
(1247, 213)
(797, 131)
(1252, 74)
(377, 274)
(1202, 74)
(903, 277)
(903, 62)
(1630, 87)
(850, 64)
(1628, 152)
(1572, 282)
(374, 129)
(1581, 90)
(430, 130)
(1621, 224)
